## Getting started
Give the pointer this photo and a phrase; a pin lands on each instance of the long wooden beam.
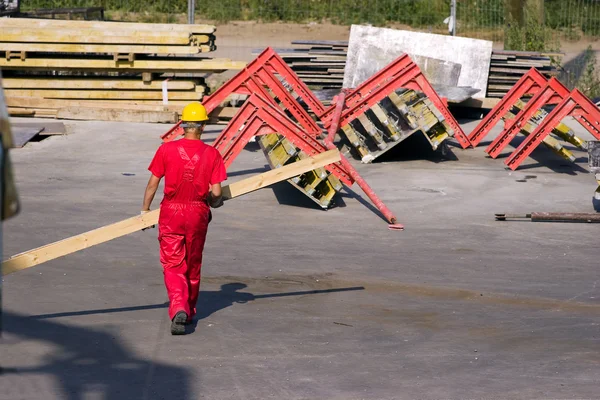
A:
(90, 64)
(61, 248)
(23, 30)
(105, 94)
(105, 25)
(38, 103)
(117, 114)
(100, 48)
(73, 37)
(71, 82)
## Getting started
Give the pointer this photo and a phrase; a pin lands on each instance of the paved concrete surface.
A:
(299, 303)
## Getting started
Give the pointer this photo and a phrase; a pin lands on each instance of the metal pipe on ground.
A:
(552, 217)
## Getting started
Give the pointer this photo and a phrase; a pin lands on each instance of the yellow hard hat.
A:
(194, 112)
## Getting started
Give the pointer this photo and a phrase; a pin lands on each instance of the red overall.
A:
(189, 168)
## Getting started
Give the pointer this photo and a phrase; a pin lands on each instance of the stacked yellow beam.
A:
(562, 131)
(319, 184)
(91, 62)
(392, 120)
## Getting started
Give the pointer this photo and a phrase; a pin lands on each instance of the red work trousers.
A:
(182, 233)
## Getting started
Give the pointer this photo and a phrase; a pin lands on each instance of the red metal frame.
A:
(552, 93)
(530, 83)
(257, 75)
(258, 116)
(401, 73)
(575, 104)
(333, 128)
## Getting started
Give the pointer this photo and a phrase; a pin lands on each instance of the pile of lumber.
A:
(54, 67)
(508, 66)
(320, 64)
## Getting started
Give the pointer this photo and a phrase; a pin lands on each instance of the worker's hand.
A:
(218, 203)
(149, 227)
(215, 203)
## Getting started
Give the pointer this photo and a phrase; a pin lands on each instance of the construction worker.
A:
(193, 174)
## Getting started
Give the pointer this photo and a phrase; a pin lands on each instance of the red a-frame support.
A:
(401, 73)
(529, 84)
(575, 104)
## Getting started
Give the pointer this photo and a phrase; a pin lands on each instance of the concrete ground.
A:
(300, 303)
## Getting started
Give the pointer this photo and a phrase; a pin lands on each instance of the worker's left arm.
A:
(218, 175)
(215, 197)
(151, 189)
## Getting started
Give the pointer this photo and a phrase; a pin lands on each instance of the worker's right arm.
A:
(150, 192)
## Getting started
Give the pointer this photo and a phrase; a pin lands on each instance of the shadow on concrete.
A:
(288, 195)
(209, 302)
(248, 171)
(86, 362)
(543, 157)
(353, 195)
(417, 147)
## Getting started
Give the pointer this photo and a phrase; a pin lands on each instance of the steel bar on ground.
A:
(552, 217)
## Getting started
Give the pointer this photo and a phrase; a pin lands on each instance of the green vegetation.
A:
(589, 84)
(570, 19)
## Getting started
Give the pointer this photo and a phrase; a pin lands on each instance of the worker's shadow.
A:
(209, 302)
(84, 362)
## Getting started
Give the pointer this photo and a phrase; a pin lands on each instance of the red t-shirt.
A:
(189, 168)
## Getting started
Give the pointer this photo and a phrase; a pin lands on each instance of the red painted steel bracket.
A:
(263, 72)
(577, 105)
(552, 93)
(258, 116)
(401, 73)
(529, 84)
(338, 103)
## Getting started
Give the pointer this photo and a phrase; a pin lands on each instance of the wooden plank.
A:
(497, 87)
(86, 240)
(32, 112)
(67, 37)
(38, 103)
(105, 25)
(98, 48)
(525, 53)
(51, 33)
(105, 94)
(25, 112)
(487, 103)
(117, 115)
(91, 64)
(73, 82)
(341, 43)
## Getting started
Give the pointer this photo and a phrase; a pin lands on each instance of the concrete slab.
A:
(456, 306)
(370, 49)
(48, 128)
(22, 135)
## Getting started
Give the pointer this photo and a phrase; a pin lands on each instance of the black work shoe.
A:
(178, 323)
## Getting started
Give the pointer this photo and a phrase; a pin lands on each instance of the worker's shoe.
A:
(178, 323)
